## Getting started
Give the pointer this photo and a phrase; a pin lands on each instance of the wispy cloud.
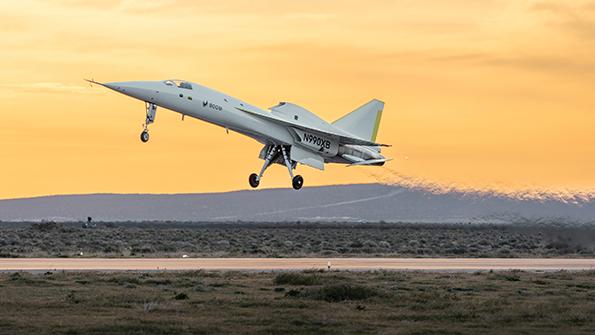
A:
(530, 62)
(546, 63)
(145, 6)
(48, 87)
(573, 17)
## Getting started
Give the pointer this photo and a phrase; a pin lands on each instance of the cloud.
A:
(539, 43)
(550, 6)
(545, 64)
(577, 18)
(311, 16)
(145, 6)
(10, 24)
(531, 62)
(47, 87)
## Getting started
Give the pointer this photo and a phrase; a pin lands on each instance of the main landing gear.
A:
(254, 180)
(273, 154)
(150, 118)
(297, 182)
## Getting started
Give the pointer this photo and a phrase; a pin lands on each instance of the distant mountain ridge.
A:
(353, 203)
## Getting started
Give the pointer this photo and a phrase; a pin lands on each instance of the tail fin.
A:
(364, 121)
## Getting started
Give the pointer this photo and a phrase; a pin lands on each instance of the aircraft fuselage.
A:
(290, 133)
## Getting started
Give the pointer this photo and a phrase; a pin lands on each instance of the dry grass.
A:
(296, 240)
(269, 303)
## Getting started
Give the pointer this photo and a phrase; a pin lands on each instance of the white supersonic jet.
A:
(290, 133)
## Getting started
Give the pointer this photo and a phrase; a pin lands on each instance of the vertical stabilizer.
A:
(364, 121)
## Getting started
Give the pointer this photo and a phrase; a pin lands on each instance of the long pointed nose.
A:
(114, 86)
(142, 90)
(123, 86)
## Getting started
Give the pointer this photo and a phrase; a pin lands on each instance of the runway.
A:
(278, 264)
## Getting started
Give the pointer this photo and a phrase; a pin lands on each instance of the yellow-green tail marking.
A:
(377, 125)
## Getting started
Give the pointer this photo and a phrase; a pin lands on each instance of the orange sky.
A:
(492, 93)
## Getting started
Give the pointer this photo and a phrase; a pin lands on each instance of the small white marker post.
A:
(328, 265)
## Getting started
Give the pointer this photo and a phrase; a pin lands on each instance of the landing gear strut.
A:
(271, 156)
(254, 179)
(149, 118)
(296, 181)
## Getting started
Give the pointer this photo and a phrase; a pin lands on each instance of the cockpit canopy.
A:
(178, 83)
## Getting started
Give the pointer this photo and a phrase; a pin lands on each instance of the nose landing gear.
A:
(254, 180)
(273, 155)
(151, 109)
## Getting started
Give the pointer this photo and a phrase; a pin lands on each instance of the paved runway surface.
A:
(263, 264)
